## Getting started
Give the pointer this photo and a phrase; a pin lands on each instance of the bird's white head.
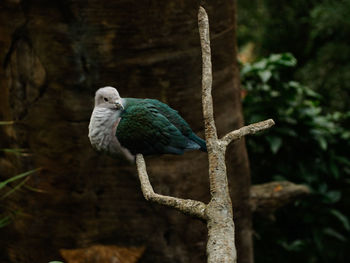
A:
(108, 97)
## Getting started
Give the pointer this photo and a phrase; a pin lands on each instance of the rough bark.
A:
(221, 232)
(54, 55)
(187, 206)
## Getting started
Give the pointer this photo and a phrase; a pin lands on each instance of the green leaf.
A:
(275, 143)
(342, 218)
(296, 245)
(322, 142)
(5, 221)
(14, 188)
(19, 176)
(261, 64)
(343, 160)
(309, 92)
(285, 59)
(345, 135)
(333, 233)
(332, 197)
(265, 75)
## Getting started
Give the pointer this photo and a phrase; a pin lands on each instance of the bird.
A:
(131, 126)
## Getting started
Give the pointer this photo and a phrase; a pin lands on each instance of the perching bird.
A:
(146, 126)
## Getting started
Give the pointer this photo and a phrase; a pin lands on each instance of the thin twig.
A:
(186, 206)
(249, 129)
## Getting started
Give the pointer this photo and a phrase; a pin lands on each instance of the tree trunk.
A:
(55, 54)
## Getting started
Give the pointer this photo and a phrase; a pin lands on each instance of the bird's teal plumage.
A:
(130, 126)
(149, 126)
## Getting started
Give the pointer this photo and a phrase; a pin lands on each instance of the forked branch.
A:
(186, 206)
(249, 129)
(218, 213)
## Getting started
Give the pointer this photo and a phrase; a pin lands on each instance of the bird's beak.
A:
(118, 106)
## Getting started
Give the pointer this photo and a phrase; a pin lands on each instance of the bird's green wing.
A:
(172, 115)
(144, 129)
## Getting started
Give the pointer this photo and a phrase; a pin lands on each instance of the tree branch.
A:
(186, 206)
(266, 198)
(207, 79)
(221, 231)
(249, 129)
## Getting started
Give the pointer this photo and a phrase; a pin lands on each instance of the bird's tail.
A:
(199, 141)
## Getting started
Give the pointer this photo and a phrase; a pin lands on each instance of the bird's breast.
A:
(102, 128)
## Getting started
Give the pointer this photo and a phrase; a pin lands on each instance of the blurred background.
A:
(295, 69)
(286, 60)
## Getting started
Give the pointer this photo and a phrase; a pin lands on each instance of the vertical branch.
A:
(207, 79)
(216, 151)
(218, 183)
(221, 232)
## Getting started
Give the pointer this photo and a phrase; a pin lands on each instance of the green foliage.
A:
(306, 146)
(15, 178)
(4, 221)
(328, 69)
(316, 32)
(6, 217)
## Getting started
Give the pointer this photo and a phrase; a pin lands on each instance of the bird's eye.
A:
(105, 99)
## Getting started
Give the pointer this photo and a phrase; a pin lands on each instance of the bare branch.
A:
(266, 198)
(221, 232)
(186, 206)
(207, 79)
(249, 129)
